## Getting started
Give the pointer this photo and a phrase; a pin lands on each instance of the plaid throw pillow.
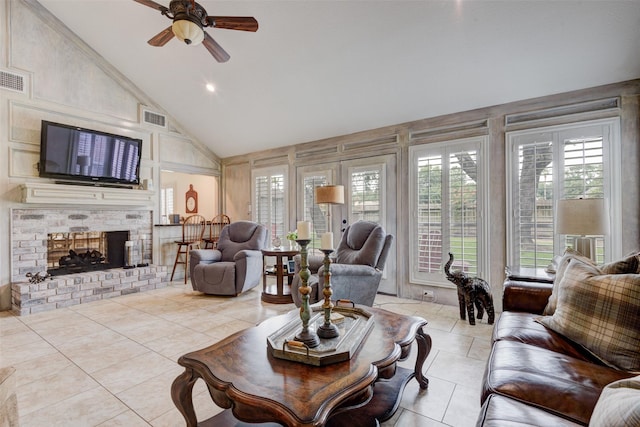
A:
(601, 313)
(618, 405)
(624, 266)
(630, 264)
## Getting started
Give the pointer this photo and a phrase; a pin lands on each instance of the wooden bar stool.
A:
(217, 224)
(192, 232)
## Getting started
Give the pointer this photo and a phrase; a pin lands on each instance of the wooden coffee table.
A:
(256, 387)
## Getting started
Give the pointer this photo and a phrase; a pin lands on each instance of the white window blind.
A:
(270, 201)
(446, 191)
(550, 164)
(366, 194)
(315, 213)
(166, 202)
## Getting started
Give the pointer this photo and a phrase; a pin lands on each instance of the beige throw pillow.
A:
(618, 405)
(601, 313)
(569, 254)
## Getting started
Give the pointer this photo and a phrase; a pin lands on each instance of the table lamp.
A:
(583, 219)
(331, 195)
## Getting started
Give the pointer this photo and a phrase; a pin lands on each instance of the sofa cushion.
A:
(500, 411)
(601, 313)
(523, 327)
(618, 405)
(549, 380)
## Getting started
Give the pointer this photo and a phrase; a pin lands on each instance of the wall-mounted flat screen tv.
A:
(73, 153)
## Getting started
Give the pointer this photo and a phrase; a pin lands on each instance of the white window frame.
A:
(269, 172)
(612, 162)
(444, 148)
(382, 169)
(167, 199)
(302, 214)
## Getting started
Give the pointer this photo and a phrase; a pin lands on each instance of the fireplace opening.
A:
(78, 252)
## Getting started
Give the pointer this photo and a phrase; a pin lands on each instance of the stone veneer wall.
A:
(29, 229)
(72, 289)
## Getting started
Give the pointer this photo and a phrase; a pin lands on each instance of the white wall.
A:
(206, 186)
(66, 82)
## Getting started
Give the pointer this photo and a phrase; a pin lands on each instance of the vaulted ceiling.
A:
(317, 69)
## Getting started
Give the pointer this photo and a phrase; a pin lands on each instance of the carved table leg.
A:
(424, 347)
(181, 394)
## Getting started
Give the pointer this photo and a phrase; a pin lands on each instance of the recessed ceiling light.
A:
(210, 87)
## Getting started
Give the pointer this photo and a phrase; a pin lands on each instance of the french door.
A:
(370, 194)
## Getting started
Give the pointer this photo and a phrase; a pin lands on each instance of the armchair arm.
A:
(249, 269)
(350, 270)
(355, 282)
(204, 256)
(314, 262)
(247, 253)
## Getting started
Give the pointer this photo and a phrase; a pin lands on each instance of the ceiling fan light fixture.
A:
(188, 31)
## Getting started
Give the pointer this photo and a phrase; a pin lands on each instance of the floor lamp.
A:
(331, 195)
(582, 218)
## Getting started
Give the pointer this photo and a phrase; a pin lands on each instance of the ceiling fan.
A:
(189, 21)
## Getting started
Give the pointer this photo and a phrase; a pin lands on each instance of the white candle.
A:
(304, 230)
(327, 240)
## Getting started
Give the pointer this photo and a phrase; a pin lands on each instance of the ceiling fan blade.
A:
(215, 49)
(162, 37)
(153, 5)
(233, 23)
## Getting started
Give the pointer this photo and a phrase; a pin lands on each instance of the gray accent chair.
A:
(356, 273)
(235, 265)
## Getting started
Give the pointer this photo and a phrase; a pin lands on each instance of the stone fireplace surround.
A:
(29, 229)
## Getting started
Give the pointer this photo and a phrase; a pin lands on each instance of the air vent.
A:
(12, 81)
(153, 118)
(602, 106)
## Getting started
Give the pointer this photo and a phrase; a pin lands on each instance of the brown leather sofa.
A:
(534, 376)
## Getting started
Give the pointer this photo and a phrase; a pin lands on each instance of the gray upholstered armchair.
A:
(357, 270)
(235, 265)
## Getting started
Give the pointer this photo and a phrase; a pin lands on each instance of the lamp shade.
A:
(581, 217)
(188, 32)
(333, 194)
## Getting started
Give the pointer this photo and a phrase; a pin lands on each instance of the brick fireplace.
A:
(30, 229)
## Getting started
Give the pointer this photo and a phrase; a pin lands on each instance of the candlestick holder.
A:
(328, 329)
(310, 338)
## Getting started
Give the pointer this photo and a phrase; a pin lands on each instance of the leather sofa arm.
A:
(525, 296)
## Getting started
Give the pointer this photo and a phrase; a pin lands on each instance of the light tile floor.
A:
(112, 362)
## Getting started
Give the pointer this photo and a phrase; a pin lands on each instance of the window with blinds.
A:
(445, 194)
(166, 202)
(315, 213)
(366, 194)
(548, 165)
(270, 201)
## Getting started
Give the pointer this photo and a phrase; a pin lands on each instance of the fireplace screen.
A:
(85, 251)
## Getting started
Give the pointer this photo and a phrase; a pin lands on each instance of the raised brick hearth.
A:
(72, 289)
(29, 229)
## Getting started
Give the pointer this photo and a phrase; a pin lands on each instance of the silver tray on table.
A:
(353, 331)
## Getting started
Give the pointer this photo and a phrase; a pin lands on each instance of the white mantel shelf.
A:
(48, 193)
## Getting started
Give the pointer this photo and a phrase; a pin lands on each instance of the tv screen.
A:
(70, 152)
